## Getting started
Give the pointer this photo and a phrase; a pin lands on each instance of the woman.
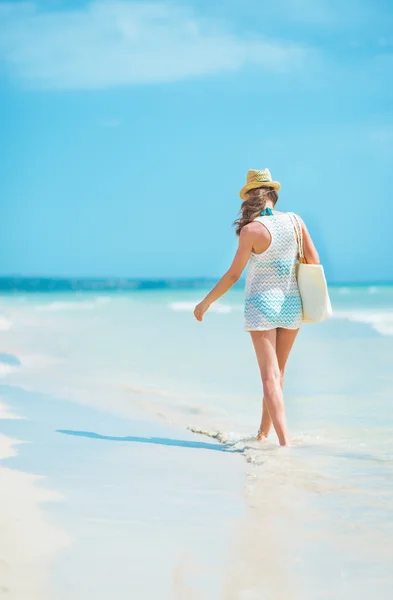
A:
(273, 308)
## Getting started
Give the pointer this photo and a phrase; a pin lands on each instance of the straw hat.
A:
(257, 179)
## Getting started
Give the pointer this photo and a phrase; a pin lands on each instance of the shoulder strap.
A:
(298, 234)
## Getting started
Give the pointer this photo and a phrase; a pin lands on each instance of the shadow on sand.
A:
(153, 440)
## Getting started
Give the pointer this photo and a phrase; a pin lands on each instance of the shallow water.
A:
(318, 516)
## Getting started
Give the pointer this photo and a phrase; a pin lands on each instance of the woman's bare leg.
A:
(266, 422)
(285, 339)
(265, 349)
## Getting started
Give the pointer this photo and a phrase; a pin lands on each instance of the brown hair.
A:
(254, 204)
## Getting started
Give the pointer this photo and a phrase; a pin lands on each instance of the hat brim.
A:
(251, 186)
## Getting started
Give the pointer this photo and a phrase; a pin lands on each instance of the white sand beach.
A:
(29, 541)
(150, 519)
(105, 490)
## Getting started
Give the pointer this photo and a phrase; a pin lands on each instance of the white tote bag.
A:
(312, 283)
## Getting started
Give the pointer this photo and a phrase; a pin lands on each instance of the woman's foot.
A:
(261, 436)
(285, 442)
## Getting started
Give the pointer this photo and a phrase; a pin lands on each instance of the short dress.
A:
(272, 297)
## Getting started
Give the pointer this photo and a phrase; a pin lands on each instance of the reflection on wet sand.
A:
(28, 541)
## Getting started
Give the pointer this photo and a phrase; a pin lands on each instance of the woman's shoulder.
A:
(256, 228)
(254, 225)
(290, 213)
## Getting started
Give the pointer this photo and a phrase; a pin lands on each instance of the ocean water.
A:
(319, 516)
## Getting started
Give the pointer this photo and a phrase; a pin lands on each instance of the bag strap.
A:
(299, 236)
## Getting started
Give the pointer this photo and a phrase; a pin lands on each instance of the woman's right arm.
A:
(310, 252)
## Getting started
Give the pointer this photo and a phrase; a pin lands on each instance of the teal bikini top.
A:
(268, 212)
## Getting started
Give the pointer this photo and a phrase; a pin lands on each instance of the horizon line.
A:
(37, 283)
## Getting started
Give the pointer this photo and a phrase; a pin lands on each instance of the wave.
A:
(5, 324)
(218, 307)
(5, 369)
(248, 445)
(224, 437)
(344, 291)
(382, 322)
(74, 305)
(5, 413)
(8, 363)
(256, 452)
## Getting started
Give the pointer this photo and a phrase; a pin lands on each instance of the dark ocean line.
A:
(72, 284)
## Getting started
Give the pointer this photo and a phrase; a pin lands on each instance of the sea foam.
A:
(8, 363)
(217, 307)
(5, 369)
(5, 324)
(382, 322)
(74, 305)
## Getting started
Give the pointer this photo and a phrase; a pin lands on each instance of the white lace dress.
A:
(272, 297)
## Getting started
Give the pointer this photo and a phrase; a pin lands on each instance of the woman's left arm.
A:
(242, 255)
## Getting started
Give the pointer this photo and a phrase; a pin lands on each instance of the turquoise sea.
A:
(317, 520)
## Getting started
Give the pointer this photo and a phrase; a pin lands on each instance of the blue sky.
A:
(127, 129)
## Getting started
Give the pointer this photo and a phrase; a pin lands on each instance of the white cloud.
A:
(108, 43)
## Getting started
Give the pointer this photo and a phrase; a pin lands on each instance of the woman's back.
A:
(272, 296)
